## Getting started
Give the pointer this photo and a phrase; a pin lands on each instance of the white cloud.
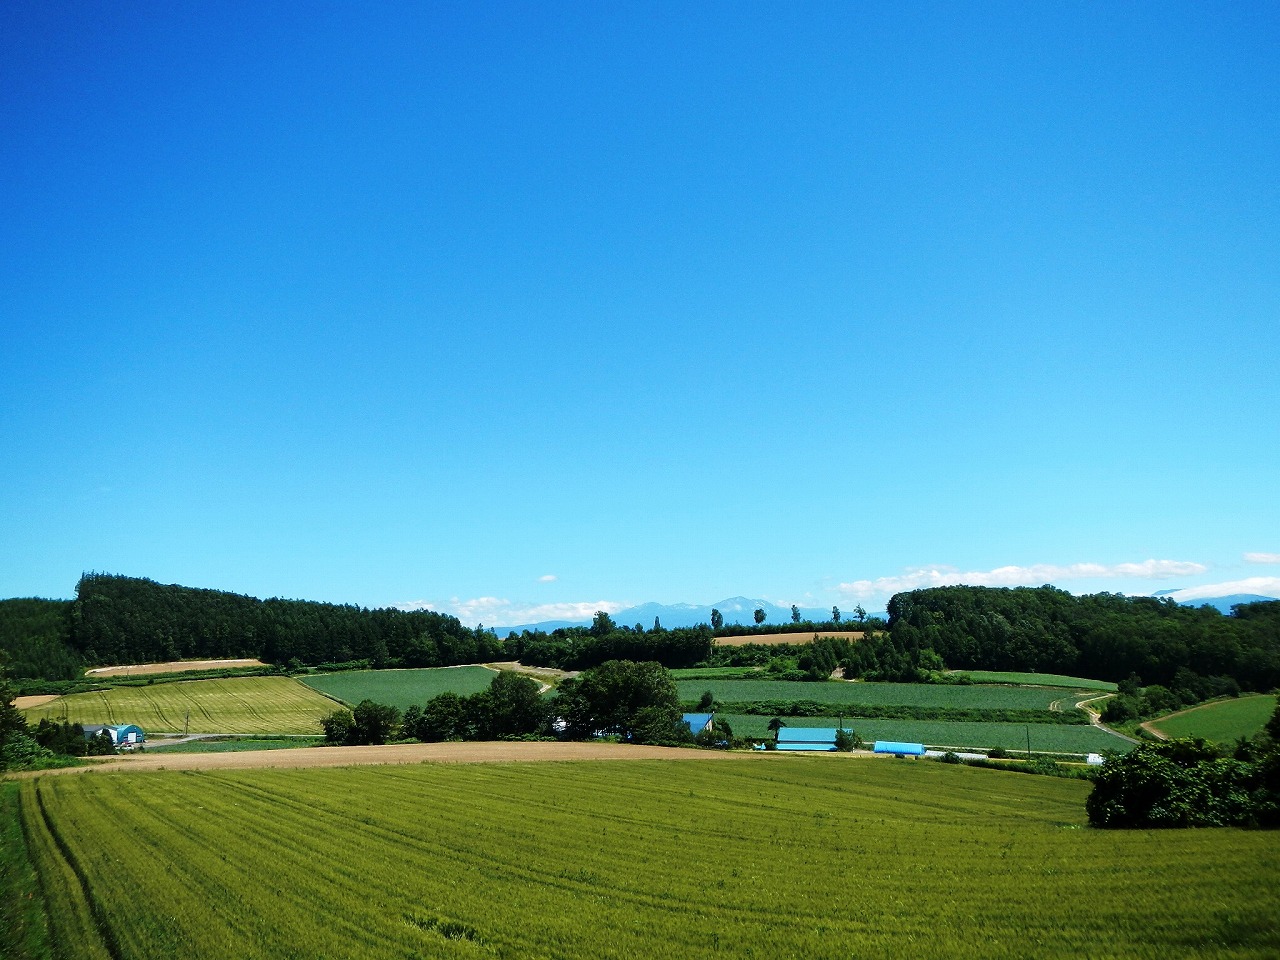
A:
(548, 578)
(499, 612)
(1264, 586)
(1262, 558)
(1014, 576)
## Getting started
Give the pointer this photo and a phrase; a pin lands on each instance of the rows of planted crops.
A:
(792, 857)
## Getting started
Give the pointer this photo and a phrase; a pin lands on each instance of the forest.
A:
(116, 619)
(1103, 636)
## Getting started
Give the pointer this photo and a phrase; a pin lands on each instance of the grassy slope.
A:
(236, 705)
(1223, 721)
(784, 857)
(1039, 679)
(1045, 737)
(836, 692)
(22, 918)
(237, 745)
(401, 688)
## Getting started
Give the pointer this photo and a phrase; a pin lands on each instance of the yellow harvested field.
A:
(766, 639)
(233, 705)
(174, 666)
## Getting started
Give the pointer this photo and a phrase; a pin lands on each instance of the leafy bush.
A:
(1186, 783)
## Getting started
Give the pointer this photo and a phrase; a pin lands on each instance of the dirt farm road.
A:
(488, 752)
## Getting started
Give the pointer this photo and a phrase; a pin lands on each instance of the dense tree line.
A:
(35, 639)
(48, 745)
(129, 620)
(578, 648)
(1103, 636)
(633, 701)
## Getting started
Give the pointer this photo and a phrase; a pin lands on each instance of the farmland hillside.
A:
(664, 858)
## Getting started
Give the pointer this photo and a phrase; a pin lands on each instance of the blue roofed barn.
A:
(809, 739)
(699, 721)
(122, 735)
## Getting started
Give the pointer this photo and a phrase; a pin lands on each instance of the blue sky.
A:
(520, 310)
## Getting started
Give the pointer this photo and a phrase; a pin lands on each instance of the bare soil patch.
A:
(495, 752)
(546, 675)
(768, 639)
(24, 703)
(176, 666)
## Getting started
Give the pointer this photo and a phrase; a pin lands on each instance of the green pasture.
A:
(836, 692)
(1045, 737)
(400, 688)
(233, 705)
(236, 744)
(716, 673)
(758, 857)
(1222, 721)
(1038, 680)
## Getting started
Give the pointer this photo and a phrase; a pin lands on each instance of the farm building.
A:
(122, 735)
(699, 721)
(807, 738)
(900, 749)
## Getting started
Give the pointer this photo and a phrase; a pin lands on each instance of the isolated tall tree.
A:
(759, 615)
(602, 624)
(835, 614)
(859, 614)
(795, 614)
(776, 724)
(717, 619)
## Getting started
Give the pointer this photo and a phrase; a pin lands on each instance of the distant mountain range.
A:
(1221, 603)
(741, 610)
(735, 610)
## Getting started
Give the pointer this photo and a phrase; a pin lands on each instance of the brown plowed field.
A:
(24, 703)
(500, 752)
(772, 638)
(176, 666)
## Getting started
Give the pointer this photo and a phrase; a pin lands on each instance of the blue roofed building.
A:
(699, 721)
(123, 735)
(899, 749)
(808, 739)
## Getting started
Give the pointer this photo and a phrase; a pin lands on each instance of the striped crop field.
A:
(1222, 721)
(814, 857)
(401, 688)
(976, 696)
(1038, 680)
(235, 705)
(1045, 737)
(777, 639)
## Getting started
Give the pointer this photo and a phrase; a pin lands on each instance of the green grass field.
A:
(977, 696)
(814, 857)
(26, 932)
(1039, 680)
(1045, 737)
(235, 705)
(1223, 721)
(237, 744)
(401, 688)
(715, 673)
